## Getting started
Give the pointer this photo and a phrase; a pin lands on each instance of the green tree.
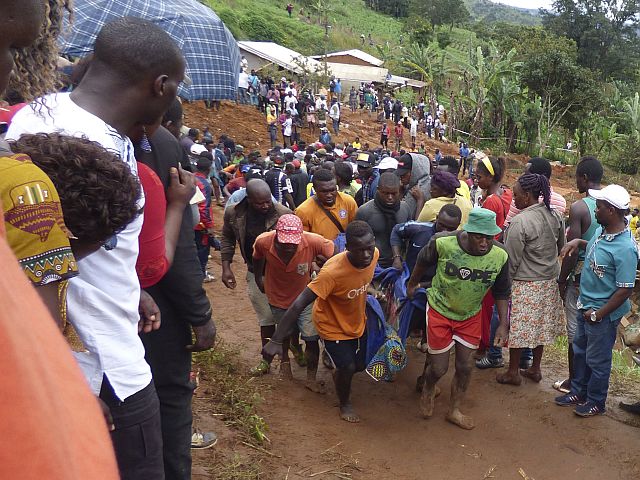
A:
(603, 30)
(480, 78)
(565, 91)
(440, 12)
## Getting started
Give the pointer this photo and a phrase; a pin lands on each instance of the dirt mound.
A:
(248, 127)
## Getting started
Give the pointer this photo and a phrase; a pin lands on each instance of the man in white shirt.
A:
(321, 103)
(290, 102)
(334, 114)
(243, 86)
(286, 130)
(132, 80)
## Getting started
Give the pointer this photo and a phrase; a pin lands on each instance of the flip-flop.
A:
(558, 386)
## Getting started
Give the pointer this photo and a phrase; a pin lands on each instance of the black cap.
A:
(366, 160)
(405, 164)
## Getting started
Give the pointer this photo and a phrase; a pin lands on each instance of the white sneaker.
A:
(209, 278)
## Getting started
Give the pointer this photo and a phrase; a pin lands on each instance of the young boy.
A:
(286, 257)
(340, 294)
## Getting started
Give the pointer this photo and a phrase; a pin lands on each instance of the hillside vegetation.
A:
(267, 20)
(487, 11)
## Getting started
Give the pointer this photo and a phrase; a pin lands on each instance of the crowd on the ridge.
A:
(108, 204)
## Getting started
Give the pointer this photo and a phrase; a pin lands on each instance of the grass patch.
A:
(625, 379)
(238, 467)
(234, 394)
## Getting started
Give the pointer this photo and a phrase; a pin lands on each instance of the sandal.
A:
(563, 386)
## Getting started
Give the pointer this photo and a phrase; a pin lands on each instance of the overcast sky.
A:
(526, 3)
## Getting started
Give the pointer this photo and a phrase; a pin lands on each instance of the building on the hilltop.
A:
(356, 74)
(351, 57)
(396, 81)
(261, 54)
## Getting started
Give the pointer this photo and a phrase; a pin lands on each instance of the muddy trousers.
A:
(170, 365)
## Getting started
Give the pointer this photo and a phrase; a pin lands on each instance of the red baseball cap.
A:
(289, 229)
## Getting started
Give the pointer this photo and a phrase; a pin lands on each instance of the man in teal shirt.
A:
(606, 283)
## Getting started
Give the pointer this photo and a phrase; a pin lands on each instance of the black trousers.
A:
(137, 439)
(171, 364)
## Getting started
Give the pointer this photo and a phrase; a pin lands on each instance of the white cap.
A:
(197, 149)
(387, 162)
(613, 194)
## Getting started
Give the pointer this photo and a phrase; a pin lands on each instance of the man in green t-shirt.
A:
(468, 263)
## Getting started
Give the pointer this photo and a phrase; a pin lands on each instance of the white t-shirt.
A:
(293, 91)
(243, 80)
(290, 102)
(334, 112)
(287, 127)
(321, 104)
(413, 131)
(103, 299)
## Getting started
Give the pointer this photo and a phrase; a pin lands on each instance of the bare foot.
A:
(348, 414)
(420, 386)
(534, 375)
(457, 418)
(315, 386)
(285, 371)
(508, 379)
(427, 400)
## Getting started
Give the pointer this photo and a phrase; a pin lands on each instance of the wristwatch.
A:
(594, 317)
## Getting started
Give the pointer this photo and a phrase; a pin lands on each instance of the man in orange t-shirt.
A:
(288, 254)
(340, 294)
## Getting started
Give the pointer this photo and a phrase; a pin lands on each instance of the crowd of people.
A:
(108, 206)
(396, 203)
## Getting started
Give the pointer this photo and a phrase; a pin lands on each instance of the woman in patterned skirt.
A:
(533, 242)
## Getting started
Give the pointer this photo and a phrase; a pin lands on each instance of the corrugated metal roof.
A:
(357, 73)
(397, 79)
(364, 56)
(278, 54)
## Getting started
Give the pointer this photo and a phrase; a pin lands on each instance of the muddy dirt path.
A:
(517, 428)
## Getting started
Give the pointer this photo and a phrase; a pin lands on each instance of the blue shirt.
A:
(417, 234)
(610, 263)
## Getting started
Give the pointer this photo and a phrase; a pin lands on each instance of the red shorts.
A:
(443, 333)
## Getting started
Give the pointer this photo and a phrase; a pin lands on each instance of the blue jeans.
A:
(202, 247)
(495, 353)
(592, 353)
(242, 96)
